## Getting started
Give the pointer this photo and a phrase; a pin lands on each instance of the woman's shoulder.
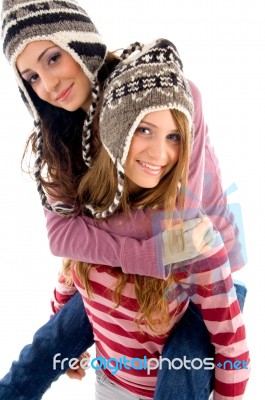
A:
(196, 94)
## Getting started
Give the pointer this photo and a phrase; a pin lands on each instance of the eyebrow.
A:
(174, 130)
(147, 123)
(38, 59)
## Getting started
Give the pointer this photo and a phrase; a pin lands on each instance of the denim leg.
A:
(189, 338)
(241, 292)
(68, 333)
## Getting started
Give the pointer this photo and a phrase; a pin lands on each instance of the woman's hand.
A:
(80, 368)
(195, 240)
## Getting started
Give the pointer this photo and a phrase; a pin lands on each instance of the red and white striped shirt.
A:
(207, 283)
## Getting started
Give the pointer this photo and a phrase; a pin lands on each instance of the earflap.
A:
(149, 78)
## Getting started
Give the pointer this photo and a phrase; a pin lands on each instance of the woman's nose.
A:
(157, 149)
(50, 82)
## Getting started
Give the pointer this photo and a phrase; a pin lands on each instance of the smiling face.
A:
(54, 75)
(154, 150)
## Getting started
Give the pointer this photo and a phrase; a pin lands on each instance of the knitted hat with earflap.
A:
(149, 80)
(67, 25)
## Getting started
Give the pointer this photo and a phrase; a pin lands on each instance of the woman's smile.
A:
(64, 95)
(154, 150)
(150, 168)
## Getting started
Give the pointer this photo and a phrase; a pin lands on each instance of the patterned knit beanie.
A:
(150, 80)
(67, 25)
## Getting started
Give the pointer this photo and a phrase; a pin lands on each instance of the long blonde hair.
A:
(98, 188)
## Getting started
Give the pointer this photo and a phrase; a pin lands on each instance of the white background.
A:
(221, 44)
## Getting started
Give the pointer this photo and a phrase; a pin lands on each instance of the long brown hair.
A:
(98, 188)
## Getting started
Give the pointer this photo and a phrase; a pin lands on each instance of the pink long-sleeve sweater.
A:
(81, 238)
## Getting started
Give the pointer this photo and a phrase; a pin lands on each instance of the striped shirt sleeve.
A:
(62, 293)
(209, 285)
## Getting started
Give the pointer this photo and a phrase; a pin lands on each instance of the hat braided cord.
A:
(88, 125)
(116, 201)
(131, 49)
(120, 174)
(59, 207)
(37, 167)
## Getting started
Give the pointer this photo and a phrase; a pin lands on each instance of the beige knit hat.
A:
(150, 79)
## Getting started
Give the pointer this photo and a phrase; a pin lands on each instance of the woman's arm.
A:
(78, 238)
(62, 293)
(205, 189)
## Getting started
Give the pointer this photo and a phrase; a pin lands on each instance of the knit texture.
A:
(67, 25)
(150, 79)
(63, 22)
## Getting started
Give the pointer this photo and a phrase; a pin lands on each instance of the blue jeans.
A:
(70, 334)
(191, 338)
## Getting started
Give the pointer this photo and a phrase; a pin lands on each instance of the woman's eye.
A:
(143, 130)
(175, 137)
(54, 58)
(32, 79)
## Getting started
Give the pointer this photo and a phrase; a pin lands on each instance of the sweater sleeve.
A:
(205, 189)
(61, 294)
(209, 285)
(78, 238)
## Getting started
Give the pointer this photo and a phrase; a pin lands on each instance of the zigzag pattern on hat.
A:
(138, 86)
(149, 78)
(143, 83)
(149, 54)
